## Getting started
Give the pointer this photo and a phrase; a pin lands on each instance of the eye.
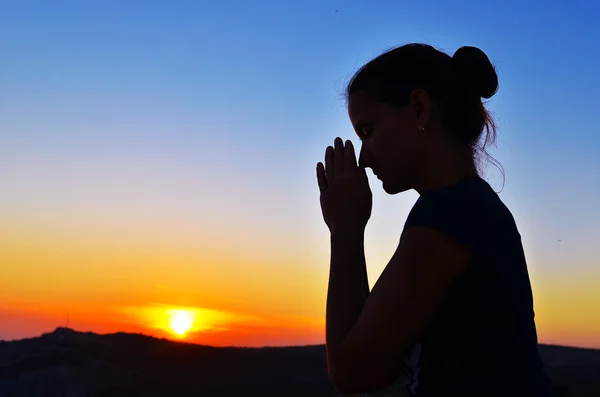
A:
(364, 131)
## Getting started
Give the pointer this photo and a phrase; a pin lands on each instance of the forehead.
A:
(360, 106)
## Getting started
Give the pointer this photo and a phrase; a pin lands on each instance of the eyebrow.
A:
(359, 124)
(357, 121)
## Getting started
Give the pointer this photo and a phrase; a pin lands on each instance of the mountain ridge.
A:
(86, 364)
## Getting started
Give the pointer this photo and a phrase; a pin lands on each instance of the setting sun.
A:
(181, 321)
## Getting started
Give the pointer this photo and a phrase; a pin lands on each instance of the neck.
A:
(445, 168)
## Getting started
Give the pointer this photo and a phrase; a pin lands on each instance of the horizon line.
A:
(60, 328)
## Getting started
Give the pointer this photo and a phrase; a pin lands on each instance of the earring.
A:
(421, 129)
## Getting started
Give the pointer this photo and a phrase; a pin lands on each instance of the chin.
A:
(394, 188)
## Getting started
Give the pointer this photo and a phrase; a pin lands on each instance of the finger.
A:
(321, 177)
(349, 157)
(329, 170)
(338, 156)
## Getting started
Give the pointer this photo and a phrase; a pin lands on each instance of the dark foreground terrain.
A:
(74, 364)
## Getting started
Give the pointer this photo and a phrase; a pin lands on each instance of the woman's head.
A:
(417, 110)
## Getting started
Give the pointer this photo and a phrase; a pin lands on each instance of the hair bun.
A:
(476, 71)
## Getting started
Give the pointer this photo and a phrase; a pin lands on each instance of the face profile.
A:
(392, 144)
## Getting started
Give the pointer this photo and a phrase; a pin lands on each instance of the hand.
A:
(346, 198)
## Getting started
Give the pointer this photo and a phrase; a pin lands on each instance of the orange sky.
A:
(250, 296)
(107, 282)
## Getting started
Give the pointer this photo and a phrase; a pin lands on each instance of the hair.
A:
(455, 83)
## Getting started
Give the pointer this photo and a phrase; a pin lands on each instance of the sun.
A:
(181, 321)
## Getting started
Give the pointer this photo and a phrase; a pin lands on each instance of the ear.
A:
(421, 104)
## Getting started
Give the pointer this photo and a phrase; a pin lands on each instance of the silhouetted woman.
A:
(453, 311)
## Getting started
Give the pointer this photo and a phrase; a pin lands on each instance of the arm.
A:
(346, 293)
(365, 343)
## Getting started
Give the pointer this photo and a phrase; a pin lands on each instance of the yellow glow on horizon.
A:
(181, 321)
(111, 282)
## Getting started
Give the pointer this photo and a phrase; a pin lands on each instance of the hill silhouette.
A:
(77, 364)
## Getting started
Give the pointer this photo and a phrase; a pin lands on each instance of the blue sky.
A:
(201, 111)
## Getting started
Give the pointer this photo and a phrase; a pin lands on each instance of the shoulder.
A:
(468, 191)
(461, 211)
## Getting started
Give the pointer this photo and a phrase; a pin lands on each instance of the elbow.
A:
(348, 383)
(341, 379)
(344, 384)
(356, 374)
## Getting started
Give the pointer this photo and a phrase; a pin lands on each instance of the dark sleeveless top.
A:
(482, 341)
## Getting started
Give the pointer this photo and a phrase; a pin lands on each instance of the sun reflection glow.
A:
(185, 322)
(181, 321)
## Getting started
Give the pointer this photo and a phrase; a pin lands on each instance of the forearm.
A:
(348, 286)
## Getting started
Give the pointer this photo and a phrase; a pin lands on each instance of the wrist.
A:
(348, 234)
